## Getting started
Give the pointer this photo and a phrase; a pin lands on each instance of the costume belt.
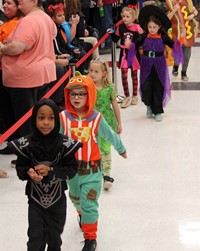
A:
(153, 54)
(94, 167)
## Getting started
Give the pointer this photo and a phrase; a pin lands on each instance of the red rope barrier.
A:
(27, 115)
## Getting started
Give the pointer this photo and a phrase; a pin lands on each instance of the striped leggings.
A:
(124, 77)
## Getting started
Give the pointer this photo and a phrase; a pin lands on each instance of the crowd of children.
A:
(73, 148)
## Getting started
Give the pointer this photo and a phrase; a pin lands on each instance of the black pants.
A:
(20, 101)
(46, 226)
(152, 92)
(6, 114)
(58, 95)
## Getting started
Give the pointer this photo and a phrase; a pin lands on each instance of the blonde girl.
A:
(128, 31)
(106, 103)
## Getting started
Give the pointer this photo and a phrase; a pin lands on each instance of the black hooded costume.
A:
(46, 198)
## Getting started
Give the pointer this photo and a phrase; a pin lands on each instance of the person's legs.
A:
(83, 66)
(90, 191)
(187, 56)
(135, 86)
(146, 91)
(22, 100)
(36, 229)
(124, 77)
(74, 192)
(107, 22)
(146, 95)
(6, 111)
(105, 149)
(103, 23)
(84, 192)
(55, 221)
(157, 94)
(58, 95)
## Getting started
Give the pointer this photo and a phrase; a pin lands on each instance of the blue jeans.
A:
(103, 23)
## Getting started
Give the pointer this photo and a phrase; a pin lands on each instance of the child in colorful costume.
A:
(154, 76)
(128, 30)
(183, 13)
(81, 122)
(106, 103)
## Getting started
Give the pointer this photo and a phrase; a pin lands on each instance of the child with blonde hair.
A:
(106, 103)
(128, 30)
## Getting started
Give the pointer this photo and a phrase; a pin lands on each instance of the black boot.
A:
(175, 71)
(184, 76)
(90, 245)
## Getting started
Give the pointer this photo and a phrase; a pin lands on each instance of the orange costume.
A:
(85, 187)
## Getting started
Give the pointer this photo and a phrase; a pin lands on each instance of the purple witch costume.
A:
(153, 48)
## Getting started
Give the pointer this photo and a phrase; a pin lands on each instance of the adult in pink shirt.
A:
(28, 59)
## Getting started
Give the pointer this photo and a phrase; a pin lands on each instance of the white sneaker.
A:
(107, 184)
(126, 102)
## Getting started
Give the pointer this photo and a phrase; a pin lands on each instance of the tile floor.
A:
(154, 204)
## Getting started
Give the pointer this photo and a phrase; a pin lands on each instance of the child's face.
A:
(153, 28)
(128, 18)
(96, 72)
(59, 17)
(45, 120)
(78, 98)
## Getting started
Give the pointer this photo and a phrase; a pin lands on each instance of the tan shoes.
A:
(134, 100)
(126, 102)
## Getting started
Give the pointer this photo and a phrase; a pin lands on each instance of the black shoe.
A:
(175, 71)
(13, 163)
(90, 245)
(184, 76)
(107, 184)
(5, 150)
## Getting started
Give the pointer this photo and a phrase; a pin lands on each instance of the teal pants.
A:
(84, 192)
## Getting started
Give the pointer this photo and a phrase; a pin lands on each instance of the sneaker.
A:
(149, 112)
(158, 117)
(13, 163)
(107, 184)
(184, 76)
(134, 100)
(126, 102)
(79, 221)
(175, 71)
(120, 99)
(90, 245)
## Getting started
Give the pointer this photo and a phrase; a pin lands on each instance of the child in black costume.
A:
(46, 160)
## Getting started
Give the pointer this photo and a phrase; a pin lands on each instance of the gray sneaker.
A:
(184, 77)
(175, 71)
